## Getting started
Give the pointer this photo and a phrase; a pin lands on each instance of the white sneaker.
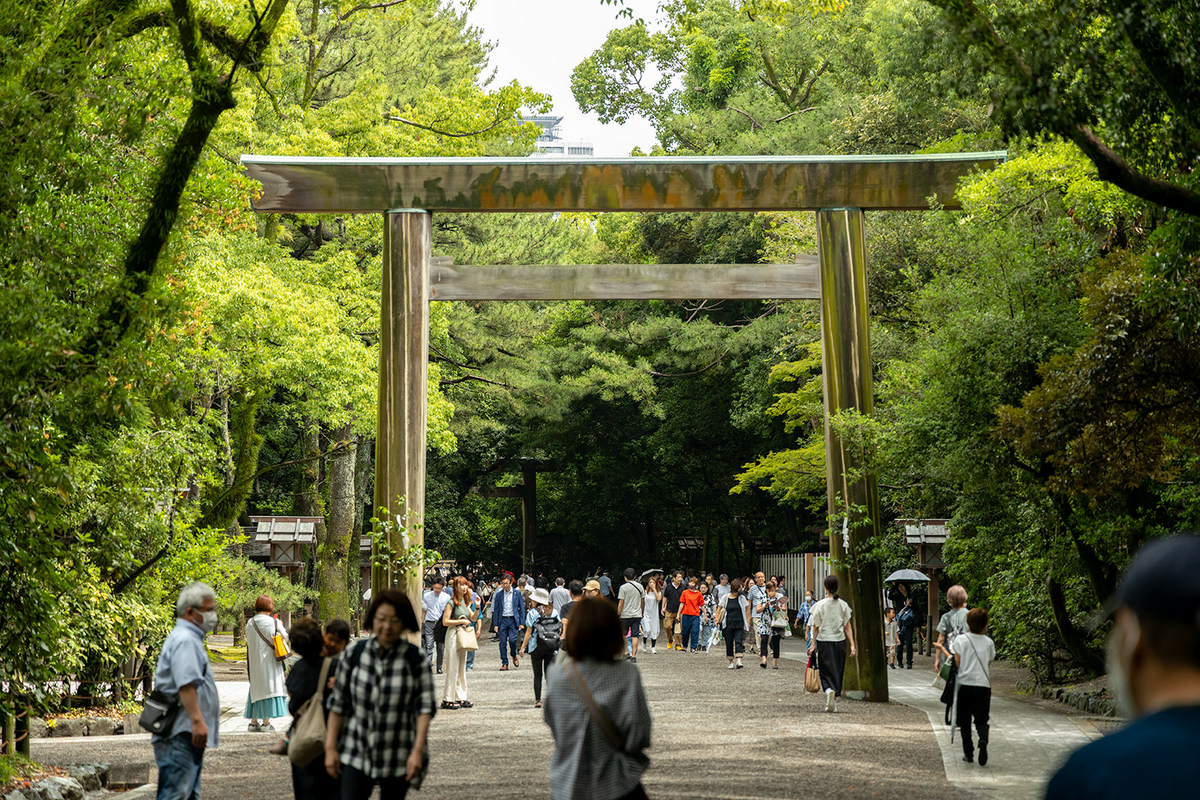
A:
(830, 701)
(732, 665)
(654, 651)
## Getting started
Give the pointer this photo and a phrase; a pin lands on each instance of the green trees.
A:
(1034, 352)
(169, 360)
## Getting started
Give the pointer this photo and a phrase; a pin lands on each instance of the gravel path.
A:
(718, 733)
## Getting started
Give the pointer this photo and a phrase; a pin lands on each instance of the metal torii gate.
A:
(838, 188)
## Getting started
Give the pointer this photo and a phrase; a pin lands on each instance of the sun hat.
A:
(540, 596)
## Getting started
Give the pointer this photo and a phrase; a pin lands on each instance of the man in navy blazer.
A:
(508, 612)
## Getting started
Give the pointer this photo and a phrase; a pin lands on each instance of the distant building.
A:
(552, 144)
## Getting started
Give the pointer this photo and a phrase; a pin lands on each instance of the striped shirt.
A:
(380, 694)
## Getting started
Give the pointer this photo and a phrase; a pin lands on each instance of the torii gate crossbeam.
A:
(839, 188)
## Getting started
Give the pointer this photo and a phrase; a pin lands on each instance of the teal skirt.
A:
(271, 708)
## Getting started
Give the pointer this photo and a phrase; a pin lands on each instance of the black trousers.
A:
(733, 641)
(974, 703)
(541, 667)
(772, 639)
(831, 663)
(906, 643)
(356, 785)
(312, 782)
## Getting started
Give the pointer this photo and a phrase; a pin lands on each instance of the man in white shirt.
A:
(559, 596)
(974, 652)
(629, 609)
(429, 602)
(508, 612)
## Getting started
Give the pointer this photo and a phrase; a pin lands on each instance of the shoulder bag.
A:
(308, 734)
(812, 676)
(276, 642)
(159, 712)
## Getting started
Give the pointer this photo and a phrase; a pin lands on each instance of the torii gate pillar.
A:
(403, 374)
(853, 497)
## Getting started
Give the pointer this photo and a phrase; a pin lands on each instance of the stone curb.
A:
(1094, 703)
(83, 726)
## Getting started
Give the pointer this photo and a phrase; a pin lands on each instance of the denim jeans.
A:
(178, 767)
(691, 631)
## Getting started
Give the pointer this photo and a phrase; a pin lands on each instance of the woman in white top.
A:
(830, 623)
(651, 601)
(268, 696)
(974, 652)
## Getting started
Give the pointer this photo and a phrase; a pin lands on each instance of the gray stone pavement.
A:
(1027, 741)
(718, 733)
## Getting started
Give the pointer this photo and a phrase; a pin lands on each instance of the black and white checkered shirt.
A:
(380, 694)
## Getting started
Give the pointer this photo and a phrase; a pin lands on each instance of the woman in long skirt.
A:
(830, 623)
(651, 605)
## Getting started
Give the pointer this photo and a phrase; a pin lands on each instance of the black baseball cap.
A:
(1163, 580)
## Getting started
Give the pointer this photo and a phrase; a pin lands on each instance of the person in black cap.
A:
(1154, 671)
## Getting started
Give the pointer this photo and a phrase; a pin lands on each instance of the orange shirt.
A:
(691, 600)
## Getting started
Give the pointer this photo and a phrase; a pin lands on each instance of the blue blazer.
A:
(518, 607)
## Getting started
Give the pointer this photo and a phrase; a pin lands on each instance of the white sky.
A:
(539, 44)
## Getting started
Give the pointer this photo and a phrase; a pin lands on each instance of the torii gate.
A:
(838, 188)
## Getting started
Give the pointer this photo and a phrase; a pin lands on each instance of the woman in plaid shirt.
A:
(384, 697)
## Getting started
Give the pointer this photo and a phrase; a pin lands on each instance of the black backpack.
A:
(549, 634)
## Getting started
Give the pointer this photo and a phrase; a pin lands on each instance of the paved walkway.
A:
(1027, 742)
(233, 696)
(718, 734)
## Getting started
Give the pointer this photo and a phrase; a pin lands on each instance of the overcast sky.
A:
(539, 44)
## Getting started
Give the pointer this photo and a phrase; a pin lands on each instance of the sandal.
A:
(538, 704)
(466, 704)
(449, 706)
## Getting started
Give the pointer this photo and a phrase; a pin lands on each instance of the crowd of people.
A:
(375, 697)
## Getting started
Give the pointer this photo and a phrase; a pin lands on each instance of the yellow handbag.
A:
(281, 648)
(277, 643)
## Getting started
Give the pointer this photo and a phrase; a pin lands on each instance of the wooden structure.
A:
(526, 492)
(928, 536)
(804, 572)
(286, 536)
(839, 189)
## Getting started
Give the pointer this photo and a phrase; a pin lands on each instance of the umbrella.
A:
(650, 572)
(907, 575)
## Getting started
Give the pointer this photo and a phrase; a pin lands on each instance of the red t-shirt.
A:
(691, 600)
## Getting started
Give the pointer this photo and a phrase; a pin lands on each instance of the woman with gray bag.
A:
(596, 709)
(306, 685)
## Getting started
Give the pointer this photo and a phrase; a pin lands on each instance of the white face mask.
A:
(209, 622)
(1118, 675)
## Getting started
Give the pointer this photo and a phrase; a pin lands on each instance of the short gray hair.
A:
(193, 595)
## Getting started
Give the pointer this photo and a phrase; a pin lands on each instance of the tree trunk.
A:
(335, 552)
(308, 490)
(1089, 659)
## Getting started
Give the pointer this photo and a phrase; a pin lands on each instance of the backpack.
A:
(549, 634)
(907, 618)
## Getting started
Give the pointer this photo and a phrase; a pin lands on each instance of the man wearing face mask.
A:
(1154, 671)
(183, 670)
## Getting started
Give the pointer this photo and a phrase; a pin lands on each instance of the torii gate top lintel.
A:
(676, 183)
